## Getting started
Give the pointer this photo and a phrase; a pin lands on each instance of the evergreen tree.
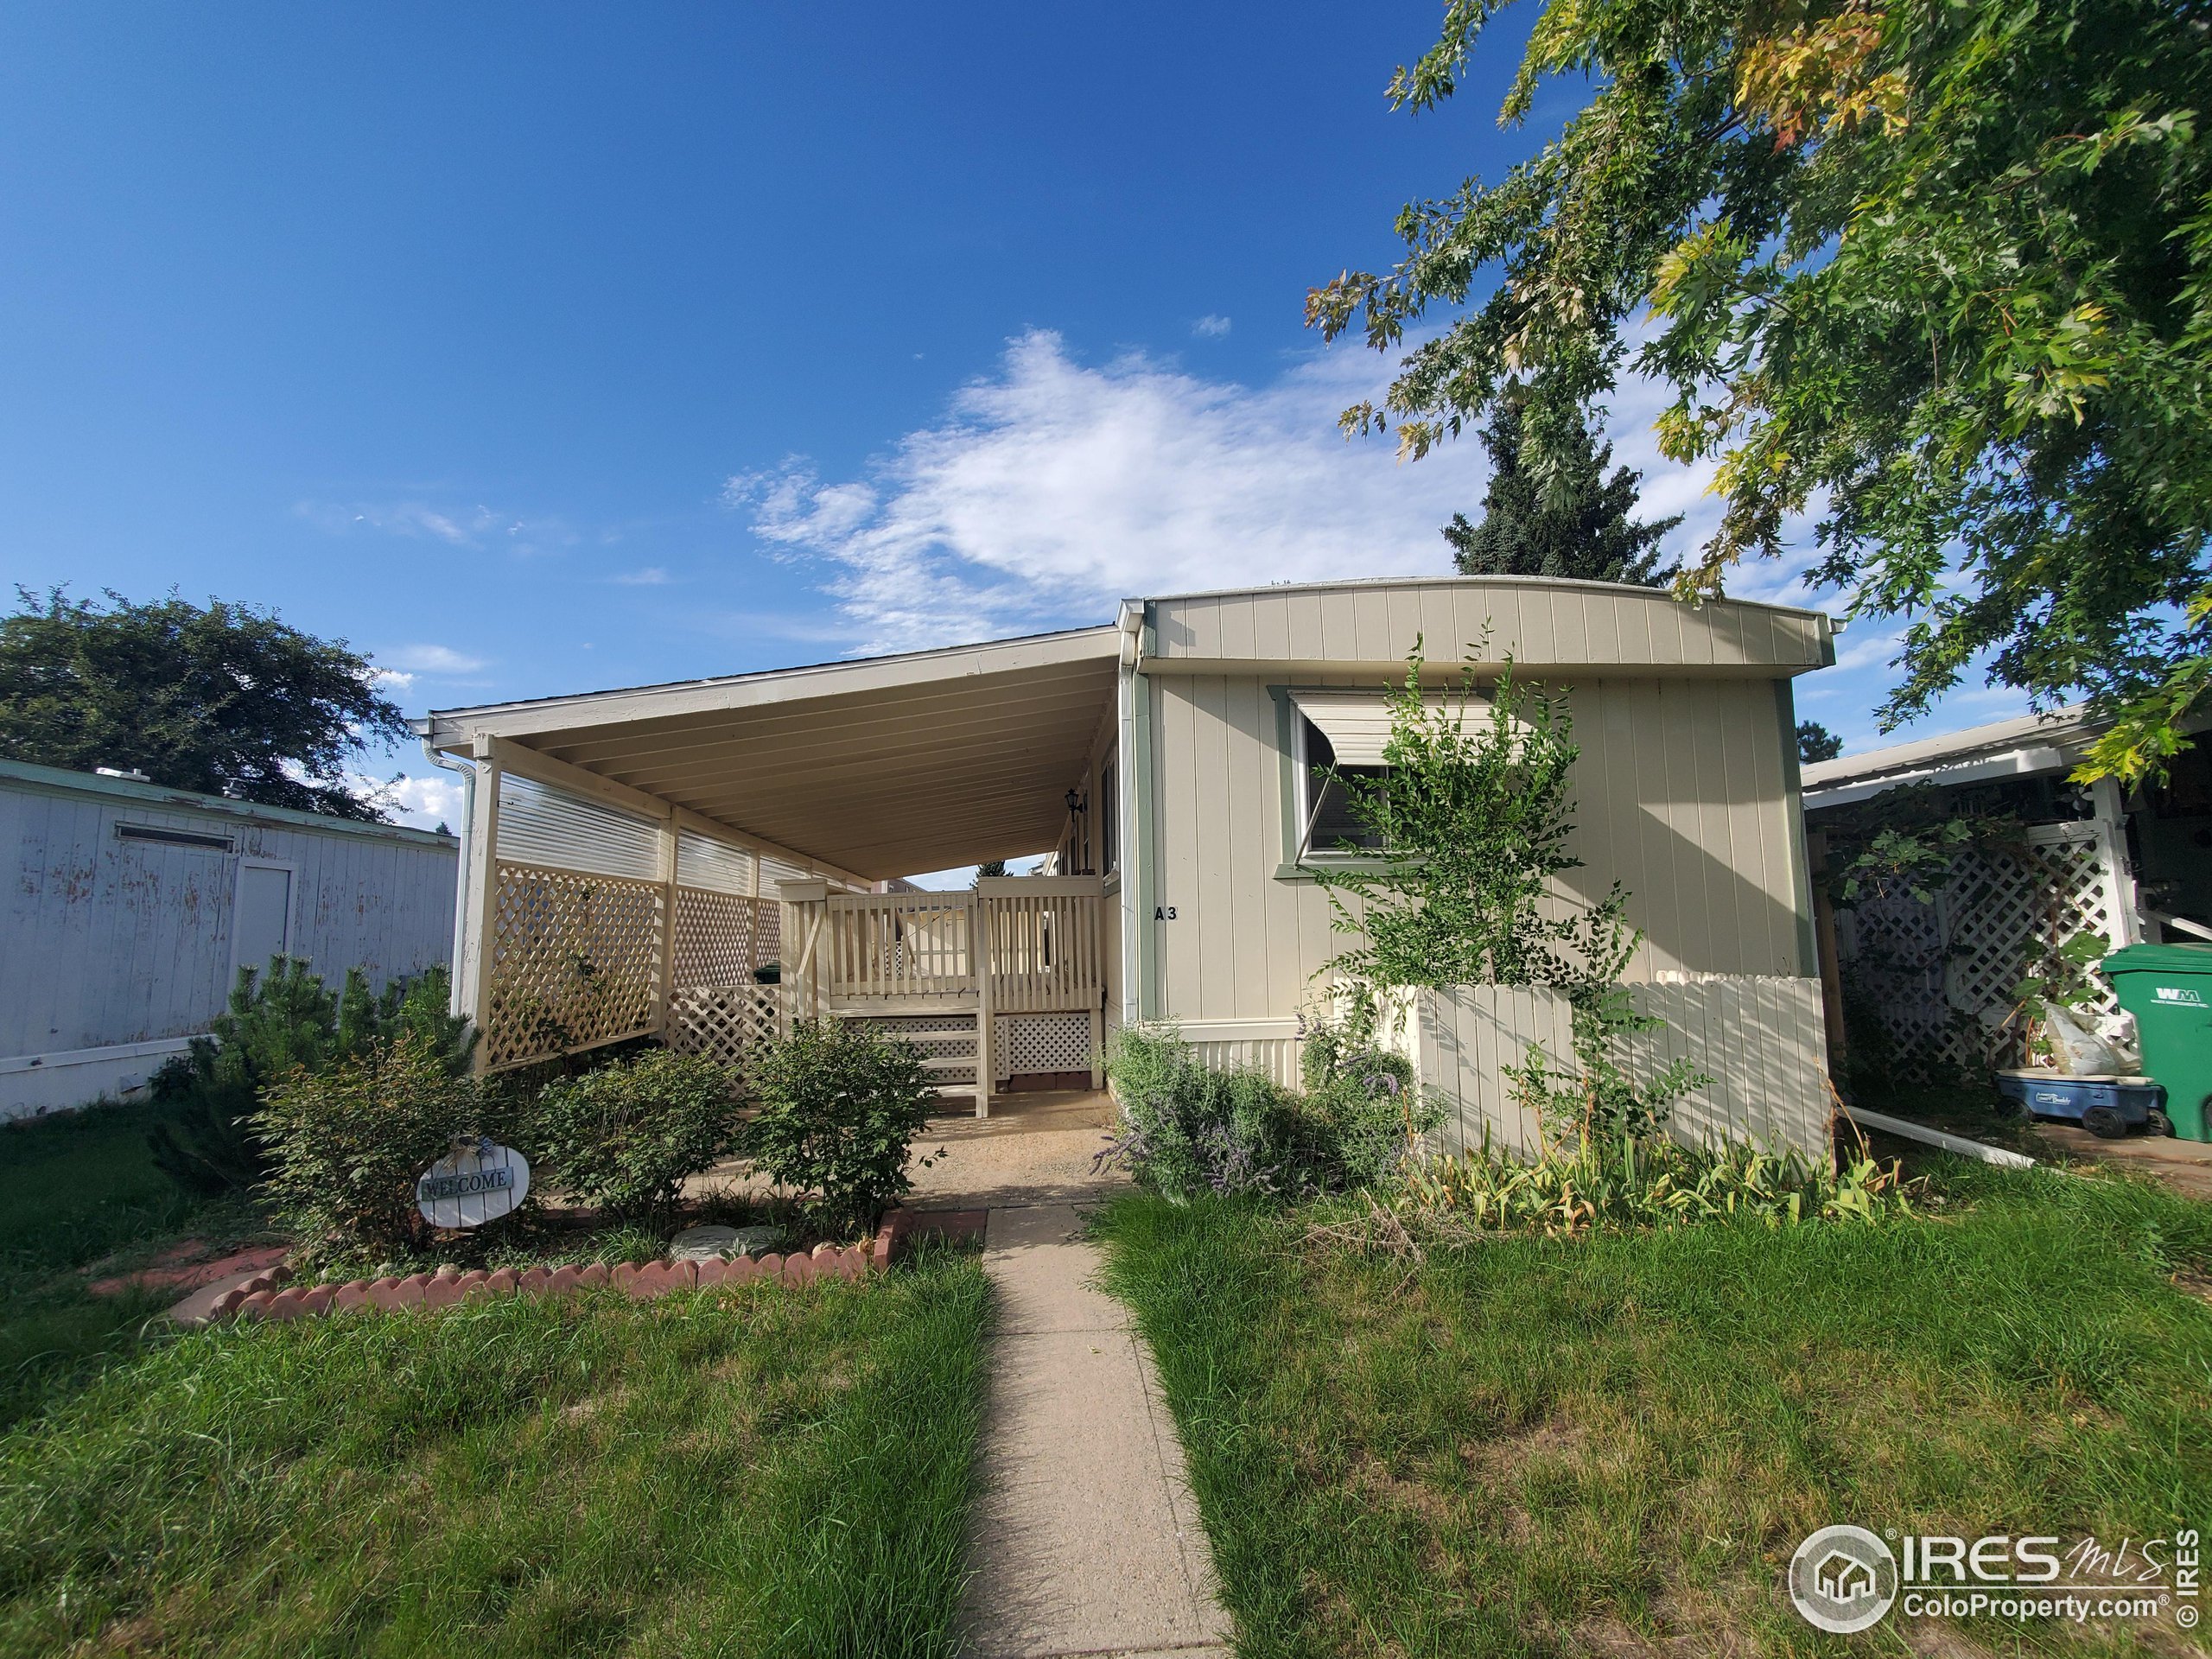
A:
(1580, 525)
(226, 700)
(1815, 742)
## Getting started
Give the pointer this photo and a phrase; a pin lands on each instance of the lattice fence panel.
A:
(721, 938)
(1044, 1042)
(1896, 966)
(1941, 976)
(574, 960)
(2054, 889)
(723, 1021)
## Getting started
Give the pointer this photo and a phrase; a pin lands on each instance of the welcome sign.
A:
(477, 1181)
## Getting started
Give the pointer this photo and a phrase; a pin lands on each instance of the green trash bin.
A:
(2168, 987)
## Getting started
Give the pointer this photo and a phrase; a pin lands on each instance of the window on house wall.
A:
(1324, 815)
(1110, 821)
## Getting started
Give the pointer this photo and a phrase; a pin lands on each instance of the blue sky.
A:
(542, 348)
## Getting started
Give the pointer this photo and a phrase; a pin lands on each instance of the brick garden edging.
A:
(263, 1296)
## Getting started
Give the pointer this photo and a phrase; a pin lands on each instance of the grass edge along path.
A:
(767, 1471)
(1533, 1446)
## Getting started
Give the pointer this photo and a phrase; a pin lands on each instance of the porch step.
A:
(950, 1062)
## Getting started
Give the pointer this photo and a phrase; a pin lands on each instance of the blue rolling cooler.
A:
(2108, 1106)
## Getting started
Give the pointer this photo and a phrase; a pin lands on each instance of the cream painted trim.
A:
(1040, 887)
(1581, 584)
(1234, 1031)
(62, 1058)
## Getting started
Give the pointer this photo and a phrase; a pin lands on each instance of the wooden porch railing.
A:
(1016, 944)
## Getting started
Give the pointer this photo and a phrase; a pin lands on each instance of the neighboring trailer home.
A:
(132, 907)
(1933, 982)
(1167, 759)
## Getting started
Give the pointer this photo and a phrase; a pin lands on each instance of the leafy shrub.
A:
(278, 1020)
(629, 1135)
(1185, 1130)
(839, 1107)
(1366, 1115)
(347, 1140)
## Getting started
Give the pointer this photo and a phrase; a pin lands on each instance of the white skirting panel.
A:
(1271, 1046)
(1758, 1040)
(34, 1084)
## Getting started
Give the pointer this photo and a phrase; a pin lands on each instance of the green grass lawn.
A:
(77, 1189)
(1614, 1445)
(756, 1472)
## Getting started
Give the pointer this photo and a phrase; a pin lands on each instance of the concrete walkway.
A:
(1087, 1538)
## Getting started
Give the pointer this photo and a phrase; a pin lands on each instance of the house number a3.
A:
(1163, 913)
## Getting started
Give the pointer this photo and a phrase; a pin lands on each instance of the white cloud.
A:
(651, 576)
(477, 526)
(435, 660)
(425, 802)
(1210, 326)
(392, 680)
(1054, 488)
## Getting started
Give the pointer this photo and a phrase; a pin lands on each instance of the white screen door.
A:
(261, 924)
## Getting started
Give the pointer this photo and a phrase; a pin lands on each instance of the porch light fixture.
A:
(1079, 803)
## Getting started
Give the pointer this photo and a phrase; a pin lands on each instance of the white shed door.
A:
(262, 926)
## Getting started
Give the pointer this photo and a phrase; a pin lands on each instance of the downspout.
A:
(467, 773)
(1136, 782)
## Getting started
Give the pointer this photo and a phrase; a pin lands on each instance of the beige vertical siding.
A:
(1683, 796)
(1538, 622)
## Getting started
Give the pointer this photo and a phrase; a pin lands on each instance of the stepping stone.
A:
(698, 1243)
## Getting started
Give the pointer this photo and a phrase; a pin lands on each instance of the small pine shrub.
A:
(1186, 1130)
(278, 1020)
(346, 1141)
(839, 1107)
(627, 1135)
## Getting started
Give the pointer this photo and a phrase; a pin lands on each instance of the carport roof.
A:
(884, 767)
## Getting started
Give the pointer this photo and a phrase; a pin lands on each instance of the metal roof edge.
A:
(1106, 632)
(2060, 726)
(61, 780)
(1578, 583)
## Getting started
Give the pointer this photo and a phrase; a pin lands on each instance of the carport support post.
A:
(484, 890)
(668, 833)
(987, 1059)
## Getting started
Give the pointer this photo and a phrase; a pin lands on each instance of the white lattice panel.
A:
(721, 938)
(723, 1021)
(1030, 1043)
(574, 960)
(1941, 976)
(1897, 962)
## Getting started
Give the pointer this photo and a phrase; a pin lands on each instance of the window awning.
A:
(1357, 723)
